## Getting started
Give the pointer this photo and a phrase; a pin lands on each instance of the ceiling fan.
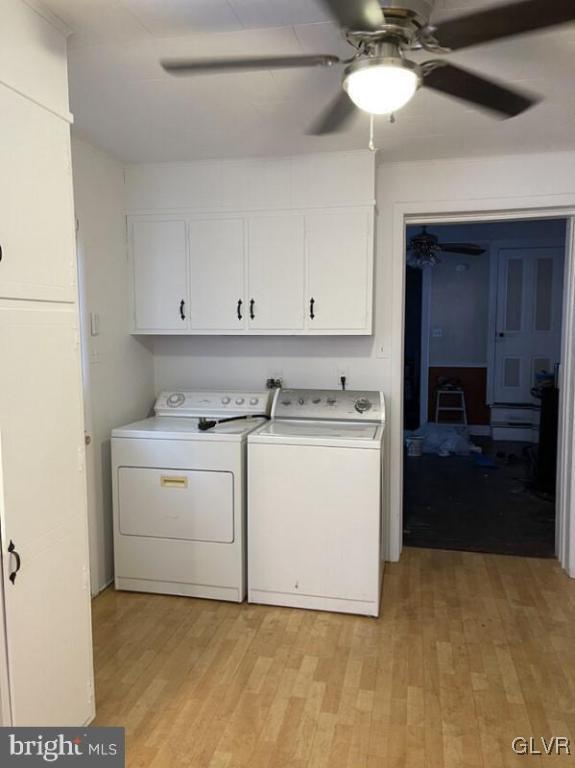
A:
(424, 249)
(380, 79)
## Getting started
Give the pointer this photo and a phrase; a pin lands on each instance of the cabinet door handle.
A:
(311, 310)
(239, 309)
(252, 313)
(14, 553)
(182, 308)
(0, 253)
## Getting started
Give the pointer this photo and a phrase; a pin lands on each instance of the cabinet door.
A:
(217, 275)
(340, 263)
(43, 513)
(36, 210)
(276, 273)
(160, 264)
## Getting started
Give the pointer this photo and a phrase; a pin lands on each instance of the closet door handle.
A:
(252, 313)
(182, 308)
(239, 309)
(311, 306)
(0, 253)
(14, 553)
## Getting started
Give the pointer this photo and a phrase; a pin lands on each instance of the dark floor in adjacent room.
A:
(462, 503)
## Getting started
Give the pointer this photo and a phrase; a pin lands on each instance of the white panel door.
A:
(276, 273)
(339, 249)
(529, 307)
(217, 275)
(160, 264)
(43, 516)
(36, 209)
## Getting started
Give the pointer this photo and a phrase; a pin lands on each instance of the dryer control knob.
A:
(176, 399)
(239, 400)
(254, 401)
(362, 405)
(226, 400)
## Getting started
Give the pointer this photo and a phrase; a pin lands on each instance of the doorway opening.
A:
(483, 328)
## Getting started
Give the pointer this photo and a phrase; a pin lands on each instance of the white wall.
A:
(459, 302)
(119, 372)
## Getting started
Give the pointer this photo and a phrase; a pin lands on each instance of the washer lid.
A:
(319, 429)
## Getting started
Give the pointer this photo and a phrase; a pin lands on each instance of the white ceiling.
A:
(124, 102)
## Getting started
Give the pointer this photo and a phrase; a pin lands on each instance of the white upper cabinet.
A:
(33, 56)
(339, 249)
(217, 300)
(272, 241)
(37, 217)
(276, 273)
(160, 284)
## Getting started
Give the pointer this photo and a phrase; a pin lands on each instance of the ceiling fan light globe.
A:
(383, 87)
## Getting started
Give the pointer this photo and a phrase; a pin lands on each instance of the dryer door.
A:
(192, 505)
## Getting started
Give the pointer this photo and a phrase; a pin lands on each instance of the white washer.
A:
(315, 502)
(179, 495)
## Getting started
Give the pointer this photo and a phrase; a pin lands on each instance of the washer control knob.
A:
(331, 401)
(176, 399)
(316, 400)
(301, 401)
(362, 405)
(239, 400)
(254, 400)
(286, 402)
(226, 401)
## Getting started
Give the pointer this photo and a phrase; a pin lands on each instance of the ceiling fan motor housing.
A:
(420, 10)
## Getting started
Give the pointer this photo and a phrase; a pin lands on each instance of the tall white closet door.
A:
(217, 275)
(43, 516)
(276, 273)
(160, 256)
(36, 209)
(339, 276)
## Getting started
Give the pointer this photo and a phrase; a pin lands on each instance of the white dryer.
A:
(179, 485)
(315, 475)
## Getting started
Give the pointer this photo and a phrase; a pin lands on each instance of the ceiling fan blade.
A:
(362, 15)
(245, 64)
(464, 248)
(467, 86)
(335, 117)
(503, 21)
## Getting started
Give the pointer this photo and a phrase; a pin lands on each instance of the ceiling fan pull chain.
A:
(371, 144)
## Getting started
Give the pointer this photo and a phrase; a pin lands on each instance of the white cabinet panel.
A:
(217, 275)
(160, 263)
(36, 220)
(33, 56)
(276, 273)
(339, 247)
(43, 512)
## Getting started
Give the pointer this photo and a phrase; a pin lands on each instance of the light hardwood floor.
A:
(470, 651)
